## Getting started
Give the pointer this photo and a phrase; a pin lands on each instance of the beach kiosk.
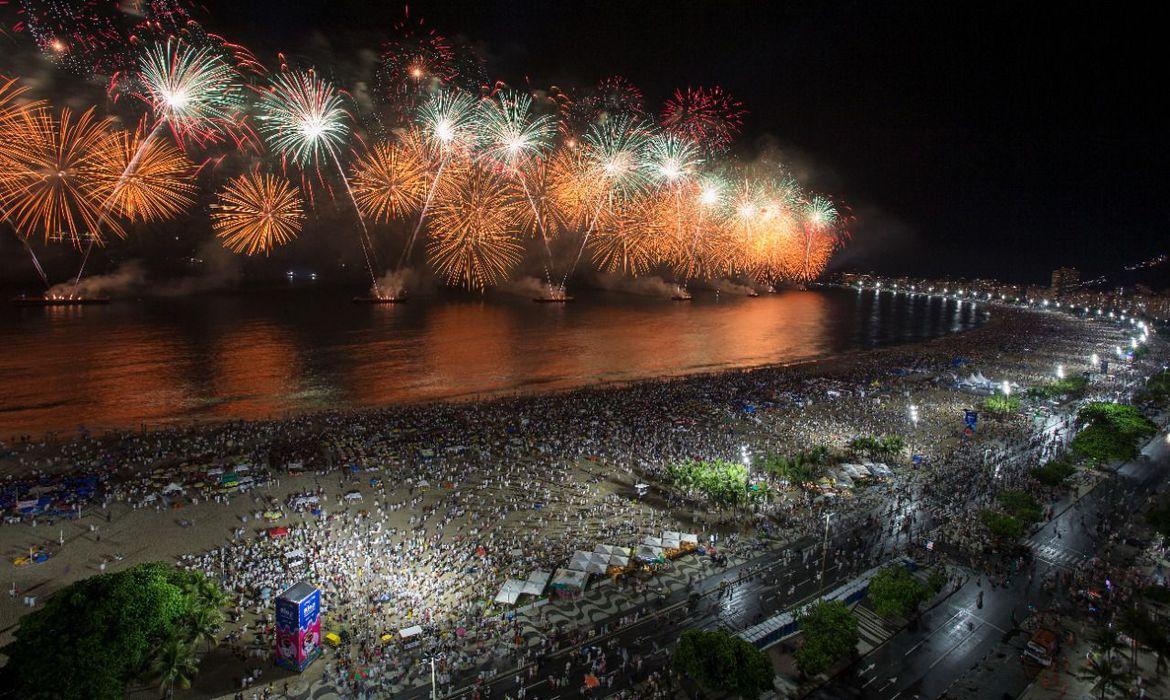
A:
(298, 626)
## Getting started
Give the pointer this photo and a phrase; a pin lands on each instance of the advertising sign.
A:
(298, 626)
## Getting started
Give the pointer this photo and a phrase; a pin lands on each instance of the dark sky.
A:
(967, 140)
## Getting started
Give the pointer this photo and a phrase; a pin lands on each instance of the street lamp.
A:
(914, 415)
(1007, 388)
(1094, 360)
(1060, 371)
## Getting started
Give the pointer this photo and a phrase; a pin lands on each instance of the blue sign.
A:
(971, 418)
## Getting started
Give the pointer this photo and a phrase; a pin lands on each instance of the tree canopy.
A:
(1111, 431)
(718, 480)
(830, 634)
(96, 635)
(894, 592)
(721, 662)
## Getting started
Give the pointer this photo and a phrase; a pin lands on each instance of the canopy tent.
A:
(408, 632)
(614, 556)
(510, 592)
(536, 582)
(648, 553)
(569, 580)
(589, 562)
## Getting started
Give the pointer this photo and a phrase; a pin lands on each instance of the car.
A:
(1042, 647)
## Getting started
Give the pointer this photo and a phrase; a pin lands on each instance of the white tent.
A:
(689, 538)
(589, 562)
(408, 632)
(568, 578)
(648, 553)
(510, 591)
(536, 582)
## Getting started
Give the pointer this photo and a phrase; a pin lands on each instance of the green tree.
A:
(1002, 527)
(830, 634)
(1111, 431)
(718, 480)
(1054, 473)
(96, 635)
(799, 469)
(894, 592)
(1021, 506)
(1104, 674)
(173, 663)
(1000, 405)
(722, 662)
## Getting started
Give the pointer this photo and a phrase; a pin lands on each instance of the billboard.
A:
(298, 626)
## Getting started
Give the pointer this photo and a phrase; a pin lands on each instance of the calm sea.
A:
(257, 355)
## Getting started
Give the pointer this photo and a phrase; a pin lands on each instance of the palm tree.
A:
(174, 664)
(1106, 642)
(1103, 674)
(202, 626)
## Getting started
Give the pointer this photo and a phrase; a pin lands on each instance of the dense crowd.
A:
(415, 515)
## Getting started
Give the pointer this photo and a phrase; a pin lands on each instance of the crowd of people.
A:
(415, 515)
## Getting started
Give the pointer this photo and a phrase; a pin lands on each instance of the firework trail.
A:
(615, 152)
(303, 120)
(448, 129)
(513, 138)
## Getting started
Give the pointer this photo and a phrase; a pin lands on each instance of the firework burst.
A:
(302, 118)
(255, 213)
(474, 244)
(448, 123)
(49, 190)
(510, 134)
(616, 149)
(708, 117)
(193, 90)
(148, 179)
(389, 181)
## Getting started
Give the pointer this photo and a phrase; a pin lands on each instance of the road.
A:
(963, 650)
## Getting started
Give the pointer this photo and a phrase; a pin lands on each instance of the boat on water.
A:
(402, 299)
(43, 300)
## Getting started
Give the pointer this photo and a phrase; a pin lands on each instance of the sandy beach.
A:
(425, 509)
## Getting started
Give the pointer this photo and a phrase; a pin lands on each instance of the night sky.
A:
(966, 141)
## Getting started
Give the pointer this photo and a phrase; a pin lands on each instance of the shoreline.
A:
(528, 479)
(64, 436)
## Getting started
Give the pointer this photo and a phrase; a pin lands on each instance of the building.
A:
(1065, 279)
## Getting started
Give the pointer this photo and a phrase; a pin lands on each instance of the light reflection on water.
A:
(263, 355)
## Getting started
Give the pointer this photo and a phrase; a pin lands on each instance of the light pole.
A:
(434, 692)
(825, 549)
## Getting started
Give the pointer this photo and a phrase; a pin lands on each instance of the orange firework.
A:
(256, 213)
(148, 178)
(50, 189)
(541, 217)
(631, 240)
(576, 192)
(389, 181)
(12, 108)
(473, 241)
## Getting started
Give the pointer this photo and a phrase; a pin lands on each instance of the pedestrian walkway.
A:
(873, 629)
(1055, 555)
